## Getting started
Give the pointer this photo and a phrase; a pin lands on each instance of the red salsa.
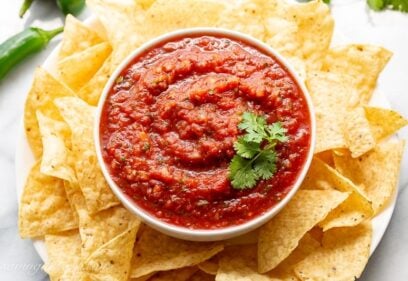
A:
(170, 121)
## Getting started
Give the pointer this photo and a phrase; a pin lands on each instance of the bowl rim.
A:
(184, 232)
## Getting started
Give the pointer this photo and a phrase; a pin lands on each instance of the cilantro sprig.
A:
(256, 156)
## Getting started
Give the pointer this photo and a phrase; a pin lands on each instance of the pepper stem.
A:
(52, 33)
(24, 7)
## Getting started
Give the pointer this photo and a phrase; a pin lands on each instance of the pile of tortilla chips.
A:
(324, 233)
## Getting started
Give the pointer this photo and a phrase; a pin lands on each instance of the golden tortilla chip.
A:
(155, 251)
(98, 229)
(353, 210)
(210, 266)
(112, 260)
(64, 257)
(77, 69)
(247, 238)
(92, 90)
(124, 23)
(44, 207)
(239, 263)
(182, 274)
(281, 235)
(56, 160)
(363, 63)
(332, 96)
(376, 172)
(80, 118)
(164, 16)
(384, 122)
(201, 276)
(310, 39)
(77, 37)
(284, 271)
(44, 90)
(243, 16)
(344, 254)
(357, 132)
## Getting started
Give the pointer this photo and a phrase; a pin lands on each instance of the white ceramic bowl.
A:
(183, 232)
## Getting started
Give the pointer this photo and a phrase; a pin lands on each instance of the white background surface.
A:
(18, 259)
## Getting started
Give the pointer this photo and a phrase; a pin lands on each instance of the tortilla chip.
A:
(80, 118)
(92, 90)
(77, 69)
(56, 160)
(124, 23)
(332, 96)
(182, 274)
(97, 27)
(209, 266)
(363, 63)
(201, 276)
(98, 229)
(326, 157)
(357, 133)
(353, 210)
(244, 239)
(311, 38)
(144, 277)
(112, 260)
(344, 254)
(244, 16)
(384, 122)
(284, 271)
(77, 37)
(239, 263)
(164, 16)
(44, 90)
(64, 256)
(376, 172)
(155, 251)
(44, 208)
(281, 235)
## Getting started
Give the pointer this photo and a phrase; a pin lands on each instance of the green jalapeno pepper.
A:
(66, 6)
(71, 6)
(23, 44)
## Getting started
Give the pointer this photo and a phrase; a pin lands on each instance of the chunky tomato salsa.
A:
(170, 121)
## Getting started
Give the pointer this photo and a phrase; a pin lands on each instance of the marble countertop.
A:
(18, 259)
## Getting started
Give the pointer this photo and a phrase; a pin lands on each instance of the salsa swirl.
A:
(170, 121)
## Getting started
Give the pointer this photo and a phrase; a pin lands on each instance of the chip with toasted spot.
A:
(357, 132)
(112, 260)
(362, 62)
(57, 157)
(376, 172)
(64, 256)
(344, 254)
(44, 207)
(44, 90)
(281, 235)
(284, 271)
(98, 229)
(80, 118)
(155, 251)
(384, 122)
(331, 95)
(353, 210)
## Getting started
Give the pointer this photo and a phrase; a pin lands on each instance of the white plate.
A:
(25, 160)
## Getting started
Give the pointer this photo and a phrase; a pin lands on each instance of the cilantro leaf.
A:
(276, 132)
(256, 156)
(241, 173)
(246, 149)
(265, 164)
(254, 126)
